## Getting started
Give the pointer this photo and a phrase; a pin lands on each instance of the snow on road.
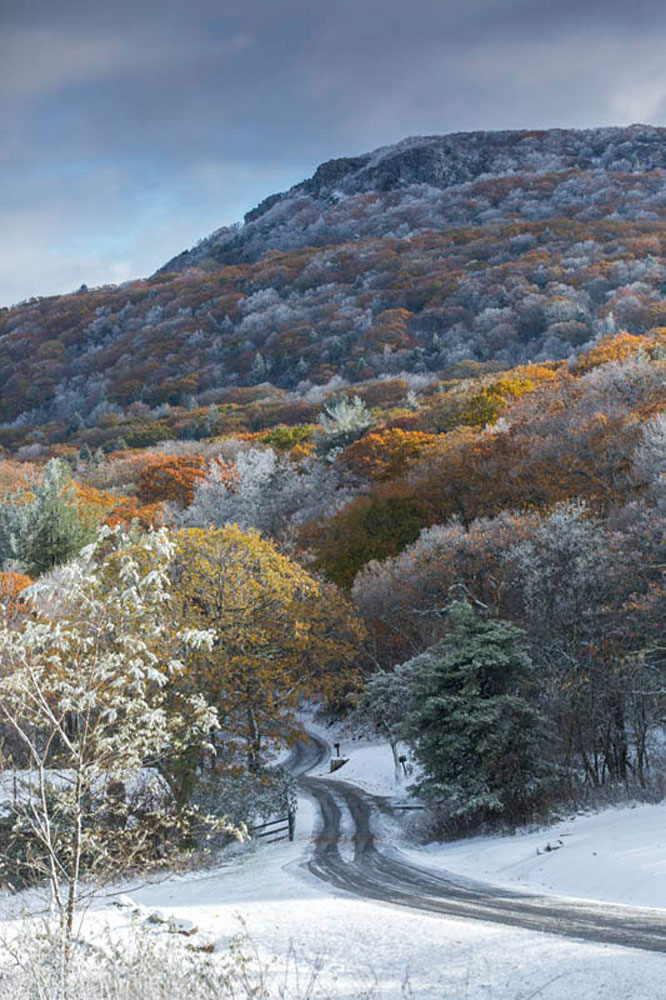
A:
(401, 953)
(363, 944)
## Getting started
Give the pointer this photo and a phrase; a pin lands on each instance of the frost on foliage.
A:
(41, 527)
(89, 690)
(650, 457)
(471, 719)
(342, 423)
(564, 565)
(266, 491)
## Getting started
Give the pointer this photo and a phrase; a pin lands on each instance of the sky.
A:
(129, 129)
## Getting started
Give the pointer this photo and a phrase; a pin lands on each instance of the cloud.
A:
(128, 130)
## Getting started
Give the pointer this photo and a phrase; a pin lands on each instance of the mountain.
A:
(437, 181)
(482, 249)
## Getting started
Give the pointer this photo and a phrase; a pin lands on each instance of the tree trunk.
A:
(254, 743)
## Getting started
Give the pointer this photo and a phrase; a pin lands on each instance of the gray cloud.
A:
(128, 130)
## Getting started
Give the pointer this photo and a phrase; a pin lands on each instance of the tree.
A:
(266, 491)
(45, 527)
(566, 579)
(281, 635)
(373, 527)
(383, 704)
(89, 696)
(342, 423)
(170, 477)
(386, 454)
(472, 721)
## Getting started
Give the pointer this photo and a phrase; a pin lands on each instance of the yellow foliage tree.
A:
(281, 634)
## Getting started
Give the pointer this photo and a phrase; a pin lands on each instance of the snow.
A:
(616, 855)
(270, 895)
(369, 763)
(293, 921)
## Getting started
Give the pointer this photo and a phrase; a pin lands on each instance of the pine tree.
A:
(259, 370)
(45, 528)
(472, 720)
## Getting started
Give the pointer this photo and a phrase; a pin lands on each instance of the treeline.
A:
(534, 498)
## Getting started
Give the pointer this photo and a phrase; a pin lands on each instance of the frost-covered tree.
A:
(88, 697)
(384, 704)
(342, 423)
(571, 579)
(472, 721)
(266, 491)
(43, 527)
(650, 457)
(562, 570)
(259, 370)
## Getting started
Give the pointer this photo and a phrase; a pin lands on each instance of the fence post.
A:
(292, 823)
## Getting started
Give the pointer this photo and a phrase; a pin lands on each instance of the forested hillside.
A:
(416, 475)
(491, 248)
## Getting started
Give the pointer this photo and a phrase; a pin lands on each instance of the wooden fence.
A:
(272, 827)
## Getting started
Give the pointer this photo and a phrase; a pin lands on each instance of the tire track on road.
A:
(391, 878)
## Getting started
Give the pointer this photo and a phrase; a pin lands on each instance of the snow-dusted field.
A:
(614, 855)
(362, 943)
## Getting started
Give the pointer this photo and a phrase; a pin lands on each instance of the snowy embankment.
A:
(364, 945)
(615, 855)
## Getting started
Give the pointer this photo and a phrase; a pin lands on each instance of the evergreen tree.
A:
(212, 421)
(44, 528)
(259, 370)
(472, 721)
(85, 454)
(342, 423)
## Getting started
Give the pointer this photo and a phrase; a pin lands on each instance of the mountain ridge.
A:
(366, 270)
(442, 162)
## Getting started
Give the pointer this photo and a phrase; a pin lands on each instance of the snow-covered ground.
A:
(369, 763)
(362, 944)
(618, 855)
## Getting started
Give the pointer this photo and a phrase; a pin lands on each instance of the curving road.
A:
(388, 876)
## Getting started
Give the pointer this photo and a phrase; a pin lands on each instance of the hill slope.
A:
(495, 248)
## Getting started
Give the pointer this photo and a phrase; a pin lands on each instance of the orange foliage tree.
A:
(281, 634)
(386, 454)
(170, 477)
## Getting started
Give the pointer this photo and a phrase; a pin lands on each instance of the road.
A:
(380, 872)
